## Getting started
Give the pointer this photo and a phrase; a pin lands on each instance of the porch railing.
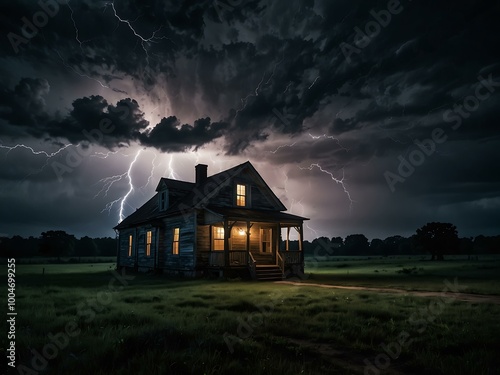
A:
(281, 263)
(236, 258)
(291, 257)
(252, 265)
(217, 258)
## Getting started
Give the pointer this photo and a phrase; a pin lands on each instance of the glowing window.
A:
(218, 238)
(241, 195)
(175, 242)
(149, 236)
(130, 242)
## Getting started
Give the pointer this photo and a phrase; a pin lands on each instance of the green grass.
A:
(157, 325)
(409, 273)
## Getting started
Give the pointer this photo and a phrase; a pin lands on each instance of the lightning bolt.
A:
(295, 202)
(144, 41)
(105, 155)
(170, 169)
(131, 186)
(282, 146)
(312, 84)
(329, 137)
(108, 182)
(78, 73)
(77, 32)
(336, 180)
(34, 152)
(48, 155)
(153, 167)
(255, 93)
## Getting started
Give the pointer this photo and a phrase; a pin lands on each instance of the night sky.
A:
(370, 117)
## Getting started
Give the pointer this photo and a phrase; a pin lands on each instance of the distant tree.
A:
(438, 239)
(337, 242)
(356, 244)
(322, 246)
(376, 246)
(57, 243)
(391, 245)
(86, 246)
(466, 246)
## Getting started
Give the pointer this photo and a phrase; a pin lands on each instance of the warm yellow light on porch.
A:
(241, 232)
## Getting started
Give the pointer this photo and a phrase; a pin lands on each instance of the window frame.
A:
(130, 252)
(244, 196)
(163, 203)
(217, 231)
(176, 236)
(149, 242)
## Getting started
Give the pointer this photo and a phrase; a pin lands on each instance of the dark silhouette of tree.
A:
(57, 243)
(377, 246)
(337, 242)
(356, 244)
(438, 239)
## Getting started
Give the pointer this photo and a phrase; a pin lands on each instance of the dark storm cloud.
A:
(92, 119)
(258, 75)
(25, 105)
(170, 136)
(264, 58)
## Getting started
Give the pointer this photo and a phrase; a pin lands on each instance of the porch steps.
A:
(263, 258)
(268, 272)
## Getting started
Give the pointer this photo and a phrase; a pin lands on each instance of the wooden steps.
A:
(268, 273)
(264, 258)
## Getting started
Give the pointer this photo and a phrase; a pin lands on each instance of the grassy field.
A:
(101, 323)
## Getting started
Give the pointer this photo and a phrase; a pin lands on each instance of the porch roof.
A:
(245, 214)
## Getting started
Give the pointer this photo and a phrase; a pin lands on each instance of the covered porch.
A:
(253, 239)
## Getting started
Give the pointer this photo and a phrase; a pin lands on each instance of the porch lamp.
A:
(241, 232)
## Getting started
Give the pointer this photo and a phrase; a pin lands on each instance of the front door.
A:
(266, 240)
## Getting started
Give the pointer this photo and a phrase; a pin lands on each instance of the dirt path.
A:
(466, 297)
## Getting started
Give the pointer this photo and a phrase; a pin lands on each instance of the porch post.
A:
(287, 238)
(301, 248)
(226, 243)
(277, 242)
(248, 240)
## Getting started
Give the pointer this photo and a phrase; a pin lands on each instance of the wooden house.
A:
(230, 223)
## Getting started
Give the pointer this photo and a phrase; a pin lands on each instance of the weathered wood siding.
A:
(202, 246)
(123, 238)
(259, 200)
(185, 260)
(138, 258)
(145, 262)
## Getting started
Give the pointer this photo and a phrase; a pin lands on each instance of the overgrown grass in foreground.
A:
(161, 326)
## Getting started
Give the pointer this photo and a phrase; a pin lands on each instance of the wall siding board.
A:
(185, 260)
(202, 246)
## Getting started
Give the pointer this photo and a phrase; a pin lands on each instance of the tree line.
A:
(438, 239)
(56, 243)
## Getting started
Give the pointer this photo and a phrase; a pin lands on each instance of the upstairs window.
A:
(149, 237)
(163, 200)
(241, 196)
(130, 242)
(218, 238)
(175, 241)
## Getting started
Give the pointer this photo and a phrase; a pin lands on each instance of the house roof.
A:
(174, 184)
(197, 196)
(255, 215)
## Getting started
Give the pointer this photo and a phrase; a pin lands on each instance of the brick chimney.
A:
(201, 173)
